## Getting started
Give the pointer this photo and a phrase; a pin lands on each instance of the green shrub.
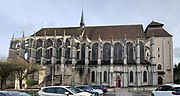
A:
(31, 82)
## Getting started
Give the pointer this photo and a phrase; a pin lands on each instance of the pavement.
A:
(141, 91)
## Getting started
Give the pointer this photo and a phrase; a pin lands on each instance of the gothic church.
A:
(116, 56)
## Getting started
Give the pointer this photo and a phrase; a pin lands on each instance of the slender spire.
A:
(82, 24)
(13, 36)
(23, 34)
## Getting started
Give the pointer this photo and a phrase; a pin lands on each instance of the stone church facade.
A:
(118, 55)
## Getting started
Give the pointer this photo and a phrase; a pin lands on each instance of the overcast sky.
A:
(17, 16)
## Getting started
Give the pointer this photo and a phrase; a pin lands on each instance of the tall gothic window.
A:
(59, 53)
(49, 43)
(106, 52)
(49, 53)
(68, 49)
(93, 76)
(117, 51)
(67, 42)
(39, 43)
(131, 76)
(59, 49)
(95, 52)
(59, 43)
(39, 54)
(105, 76)
(145, 76)
(129, 51)
(142, 53)
(83, 51)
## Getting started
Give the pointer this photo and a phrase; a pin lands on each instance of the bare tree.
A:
(22, 68)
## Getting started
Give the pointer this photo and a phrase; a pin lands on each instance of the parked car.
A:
(79, 91)
(13, 93)
(167, 90)
(101, 87)
(88, 88)
(61, 91)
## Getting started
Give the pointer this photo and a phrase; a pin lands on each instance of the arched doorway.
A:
(160, 80)
(118, 82)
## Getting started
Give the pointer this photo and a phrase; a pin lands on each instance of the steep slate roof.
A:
(116, 32)
(156, 29)
(153, 23)
(76, 31)
(92, 32)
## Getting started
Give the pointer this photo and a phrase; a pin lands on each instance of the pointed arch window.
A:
(49, 43)
(142, 53)
(59, 53)
(95, 52)
(145, 76)
(68, 52)
(49, 53)
(106, 52)
(39, 43)
(105, 76)
(67, 44)
(83, 46)
(129, 51)
(68, 49)
(159, 67)
(117, 51)
(131, 76)
(39, 54)
(59, 43)
(93, 76)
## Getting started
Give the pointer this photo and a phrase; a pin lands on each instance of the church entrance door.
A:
(118, 82)
(160, 80)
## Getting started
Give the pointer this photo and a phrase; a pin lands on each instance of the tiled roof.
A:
(116, 32)
(156, 29)
(92, 32)
(76, 31)
(157, 32)
(153, 23)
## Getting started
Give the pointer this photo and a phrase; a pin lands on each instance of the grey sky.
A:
(17, 16)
